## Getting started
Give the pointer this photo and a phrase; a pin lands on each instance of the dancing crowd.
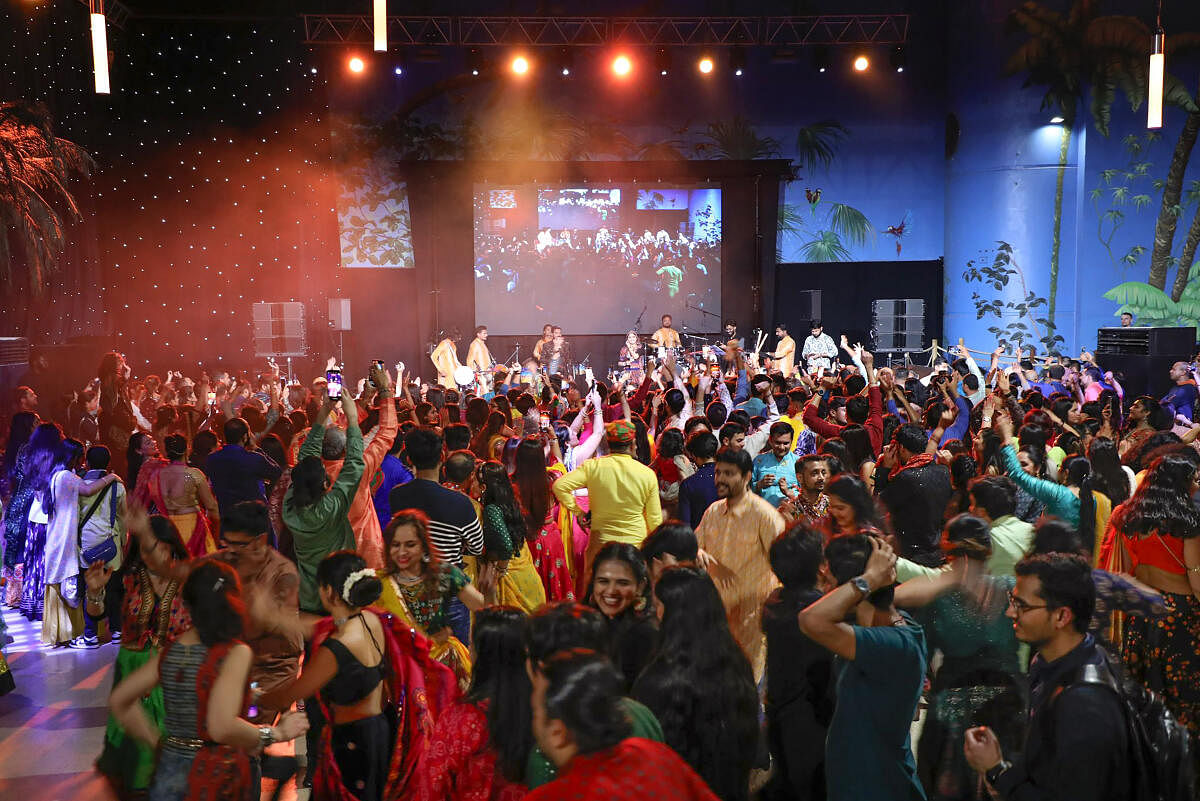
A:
(711, 584)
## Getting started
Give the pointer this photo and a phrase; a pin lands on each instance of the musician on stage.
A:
(557, 354)
(785, 351)
(666, 337)
(445, 359)
(731, 334)
(479, 358)
(819, 350)
(547, 338)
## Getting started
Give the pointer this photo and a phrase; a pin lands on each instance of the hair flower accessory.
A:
(353, 579)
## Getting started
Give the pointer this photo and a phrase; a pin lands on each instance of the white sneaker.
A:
(84, 642)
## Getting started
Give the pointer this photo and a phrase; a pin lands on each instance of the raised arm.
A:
(825, 620)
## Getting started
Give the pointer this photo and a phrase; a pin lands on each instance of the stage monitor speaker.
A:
(806, 309)
(1139, 340)
(339, 314)
(279, 329)
(898, 326)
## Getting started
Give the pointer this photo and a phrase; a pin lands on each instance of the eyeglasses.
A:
(1021, 606)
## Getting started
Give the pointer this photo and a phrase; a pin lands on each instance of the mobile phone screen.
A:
(333, 379)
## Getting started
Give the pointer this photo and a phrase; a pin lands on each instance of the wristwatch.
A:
(859, 583)
(993, 775)
(266, 735)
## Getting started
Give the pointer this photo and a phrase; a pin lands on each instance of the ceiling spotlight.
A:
(313, 70)
(474, 61)
(1057, 119)
(622, 66)
(356, 64)
(564, 61)
(520, 65)
(379, 25)
(398, 70)
(662, 61)
(705, 64)
(861, 64)
(821, 59)
(737, 61)
(898, 58)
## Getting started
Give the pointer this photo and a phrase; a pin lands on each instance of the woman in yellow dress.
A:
(418, 586)
(505, 536)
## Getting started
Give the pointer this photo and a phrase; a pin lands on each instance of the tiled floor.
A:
(52, 725)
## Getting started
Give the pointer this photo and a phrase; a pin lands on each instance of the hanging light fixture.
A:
(1154, 91)
(99, 47)
(380, 26)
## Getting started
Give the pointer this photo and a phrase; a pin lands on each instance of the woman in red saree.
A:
(182, 494)
(377, 689)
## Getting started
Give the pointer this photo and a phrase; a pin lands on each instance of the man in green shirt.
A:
(563, 627)
(316, 511)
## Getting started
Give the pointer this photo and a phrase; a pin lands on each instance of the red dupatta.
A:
(419, 688)
(197, 544)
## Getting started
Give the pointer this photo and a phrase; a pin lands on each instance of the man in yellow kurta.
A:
(622, 494)
(735, 537)
(785, 351)
(445, 359)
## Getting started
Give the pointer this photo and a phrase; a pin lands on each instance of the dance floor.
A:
(52, 725)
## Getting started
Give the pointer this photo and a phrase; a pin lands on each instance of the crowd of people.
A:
(733, 585)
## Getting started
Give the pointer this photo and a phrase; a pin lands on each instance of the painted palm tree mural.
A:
(1081, 53)
(35, 169)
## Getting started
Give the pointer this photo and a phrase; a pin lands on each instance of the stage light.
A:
(821, 59)
(1154, 91)
(313, 70)
(622, 66)
(861, 64)
(398, 70)
(99, 48)
(474, 61)
(898, 58)
(662, 61)
(520, 65)
(1057, 119)
(379, 25)
(705, 65)
(356, 64)
(564, 61)
(737, 61)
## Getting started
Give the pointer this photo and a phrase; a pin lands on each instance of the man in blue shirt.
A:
(778, 462)
(699, 491)
(238, 474)
(868, 754)
(392, 473)
(1182, 397)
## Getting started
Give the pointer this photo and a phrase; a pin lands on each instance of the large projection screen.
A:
(591, 257)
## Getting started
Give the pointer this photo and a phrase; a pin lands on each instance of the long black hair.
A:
(19, 431)
(163, 530)
(498, 492)
(213, 597)
(498, 676)
(1163, 502)
(700, 685)
(858, 446)
(134, 458)
(1107, 475)
(851, 490)
(42, 454)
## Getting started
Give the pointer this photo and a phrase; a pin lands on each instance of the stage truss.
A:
(435, 31)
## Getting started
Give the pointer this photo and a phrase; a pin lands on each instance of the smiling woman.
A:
(620, 589)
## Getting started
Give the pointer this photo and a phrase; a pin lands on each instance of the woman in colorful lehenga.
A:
(42, 457)
(182, 494)
(18, 496)
(550, 544)
(152, 615)
(376, 688)
(504, 541)
(979, 682)
(418, 586)
(204, 745)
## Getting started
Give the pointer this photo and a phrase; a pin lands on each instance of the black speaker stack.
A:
(1143, 356)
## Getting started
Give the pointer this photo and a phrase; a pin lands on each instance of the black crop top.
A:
(354, 680)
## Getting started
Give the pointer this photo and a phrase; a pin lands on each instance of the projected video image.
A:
(591, 257)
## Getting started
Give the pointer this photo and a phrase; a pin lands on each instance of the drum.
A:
(464, 376)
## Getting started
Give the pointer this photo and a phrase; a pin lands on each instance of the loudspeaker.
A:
(806, 309)
(339, 314)
(1143, 375)
(279, 329)
(898, 326)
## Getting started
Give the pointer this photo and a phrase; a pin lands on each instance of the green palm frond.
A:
(826, 247)
(817, 144)
(792, 220)
(851, 224)
(737, 140)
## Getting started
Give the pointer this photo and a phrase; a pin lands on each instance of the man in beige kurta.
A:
(735, 537)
